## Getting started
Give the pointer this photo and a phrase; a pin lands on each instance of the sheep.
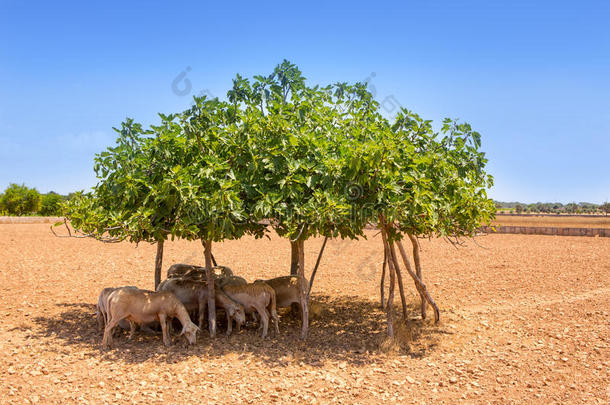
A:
(257, 297)
(234, 280)
(196, 272)
(286, 290)
(139, 306)
(189, 292)
(101, 309)
(233, 309)
(194, 295)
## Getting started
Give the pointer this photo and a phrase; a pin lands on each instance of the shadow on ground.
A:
(341, 329)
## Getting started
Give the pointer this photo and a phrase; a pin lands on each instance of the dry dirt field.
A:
(523, 318)
(558, 221)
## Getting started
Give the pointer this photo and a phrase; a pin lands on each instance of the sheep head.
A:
(190, 330)
(237, 312)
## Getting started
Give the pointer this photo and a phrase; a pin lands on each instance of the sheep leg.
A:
(276, 321)
(264, 320)
(170, 326)
(100, 319)
(132, 330)
(107, 339)
(229, 323)
(273, 312)
(163, 322)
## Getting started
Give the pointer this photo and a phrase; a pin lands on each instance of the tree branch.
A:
(89, 235)
(315, 269)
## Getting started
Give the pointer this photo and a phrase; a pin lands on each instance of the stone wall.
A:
(546, 230)
(30, 220)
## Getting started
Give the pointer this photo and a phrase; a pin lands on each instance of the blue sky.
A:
(532, 76)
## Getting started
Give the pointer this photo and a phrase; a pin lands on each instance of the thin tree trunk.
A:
(294, 258)
(207, 251)
(158, 263)
(213, 260)
(390, 303)
(303, 295)
(417, 261)
(382, 284)
(418, 284)
(315, 269)
(405, 313)
(391, 255)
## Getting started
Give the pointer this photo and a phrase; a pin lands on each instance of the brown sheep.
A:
(234, 280)
(141, 307)
(196, 272)
(101, 309)
(257, 297)
(194, 295)
(286, 290)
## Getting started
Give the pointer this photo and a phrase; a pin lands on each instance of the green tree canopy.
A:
(308, 160)
(50, 204)
(20, 200)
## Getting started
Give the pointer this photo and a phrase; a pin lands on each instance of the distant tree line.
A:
(554, 208)
(18, 200)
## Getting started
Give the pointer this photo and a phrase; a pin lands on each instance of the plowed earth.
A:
(557, 221)
(523, 318)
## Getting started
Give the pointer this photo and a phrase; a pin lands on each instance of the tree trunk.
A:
(405, 313)
(418, 284)
(390, 254)
(303, 295)
(294, 258)
(207, 251)
(382, 284)
(158, 263)
(315, 269)
(390, 304)
(416, 260)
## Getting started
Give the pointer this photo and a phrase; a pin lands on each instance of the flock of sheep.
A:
(185, 293)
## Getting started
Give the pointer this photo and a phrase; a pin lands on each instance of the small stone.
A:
(410, 380)
(453, 380)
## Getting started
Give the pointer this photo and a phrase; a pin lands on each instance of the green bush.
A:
(20, 200)
(51, 204)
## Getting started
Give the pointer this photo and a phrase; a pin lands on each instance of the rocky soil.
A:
(523, 318)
